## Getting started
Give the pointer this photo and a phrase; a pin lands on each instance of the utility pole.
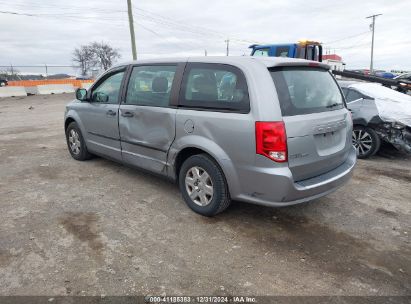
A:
(205, 52)
(131, 24)
(372, 42)
(228, 46)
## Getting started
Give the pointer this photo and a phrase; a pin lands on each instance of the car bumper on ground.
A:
(276, 187)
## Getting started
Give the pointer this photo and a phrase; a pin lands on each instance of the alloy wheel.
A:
(199, 186)
(362, 141)
(74, 142)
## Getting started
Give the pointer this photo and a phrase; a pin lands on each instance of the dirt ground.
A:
(97, 227)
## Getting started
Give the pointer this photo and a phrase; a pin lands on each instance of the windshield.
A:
(305, 90)
(378, 91)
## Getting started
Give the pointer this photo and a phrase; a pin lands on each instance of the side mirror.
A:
(81, 94)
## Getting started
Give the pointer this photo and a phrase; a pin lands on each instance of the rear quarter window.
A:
(218, 87)
(305, 90)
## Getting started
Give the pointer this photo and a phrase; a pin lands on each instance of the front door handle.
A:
(111, 113)
(127, 114)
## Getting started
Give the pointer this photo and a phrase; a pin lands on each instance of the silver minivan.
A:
(269, 131)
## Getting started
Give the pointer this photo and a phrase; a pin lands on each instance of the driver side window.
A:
(108, 91)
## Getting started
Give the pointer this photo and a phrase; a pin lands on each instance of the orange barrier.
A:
(32, 83)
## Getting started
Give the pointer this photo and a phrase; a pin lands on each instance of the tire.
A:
(366, 141)
(202, 172)
(75, 143)
(2, 84)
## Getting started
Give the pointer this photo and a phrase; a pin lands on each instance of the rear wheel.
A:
(203, 185)
(2, 84)
(366, 141)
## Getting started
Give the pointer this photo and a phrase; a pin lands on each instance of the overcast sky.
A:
(167, 28)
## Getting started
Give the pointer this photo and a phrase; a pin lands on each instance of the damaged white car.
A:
(379, 114)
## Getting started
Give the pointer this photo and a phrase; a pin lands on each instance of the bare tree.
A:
(10, 74)
(88, 56)
(85, 58)
(104, 54)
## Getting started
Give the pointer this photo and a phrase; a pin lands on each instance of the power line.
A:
(159, 19)
(74, 18)
(77, 8)
(148, 15)
(346, 38)
(355, 46)
(196, 47)
(98, 19)
(20, 14)
(178, 25)
(358, 43)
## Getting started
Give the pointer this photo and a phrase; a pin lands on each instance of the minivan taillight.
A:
(271, 140)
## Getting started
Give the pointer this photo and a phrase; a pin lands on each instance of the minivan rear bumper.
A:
(276, 187)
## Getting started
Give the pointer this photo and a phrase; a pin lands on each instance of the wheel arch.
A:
(360, 122)
(72, 116)
(201, 145)
(68, 121)
(184, 154)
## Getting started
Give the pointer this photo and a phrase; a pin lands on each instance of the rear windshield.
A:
(305, 90)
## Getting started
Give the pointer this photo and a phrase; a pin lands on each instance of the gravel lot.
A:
(96, 227)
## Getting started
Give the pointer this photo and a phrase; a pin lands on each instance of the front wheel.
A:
(366, 141)
(75, 143)
(203, 185)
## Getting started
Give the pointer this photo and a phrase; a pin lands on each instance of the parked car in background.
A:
(406, 76)
(404, 83)
(3, 82)
(379, 114)
(384, 74)
(269, 131)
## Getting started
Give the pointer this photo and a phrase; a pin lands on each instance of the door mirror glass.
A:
(81, 94)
